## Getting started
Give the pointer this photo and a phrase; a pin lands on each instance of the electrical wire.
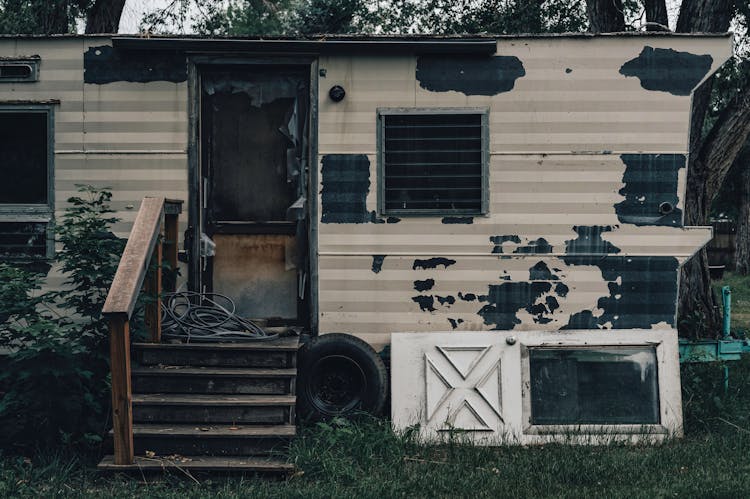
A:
(208, 317)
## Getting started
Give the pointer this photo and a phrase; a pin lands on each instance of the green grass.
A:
(740, 286)
(365, 459)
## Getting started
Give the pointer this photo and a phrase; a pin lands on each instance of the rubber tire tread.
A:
(359, 351)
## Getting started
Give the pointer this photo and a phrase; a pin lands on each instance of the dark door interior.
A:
(254, 152)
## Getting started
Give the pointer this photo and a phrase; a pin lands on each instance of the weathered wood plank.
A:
(135, 259)
(199, 463)
(171, 248)
(154, 290)
(122, 410)
(213, 400)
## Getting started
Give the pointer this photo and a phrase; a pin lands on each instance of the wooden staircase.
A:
(212, 407)
(208, 407)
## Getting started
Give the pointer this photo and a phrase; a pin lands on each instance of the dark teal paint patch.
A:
(458, 220)
(455, 322)
(534, 247)
(505, 300)
(426, 303)
(425, 285)
(589, 241)
(443, 300)
(104, 64)
(432, 263)
(499, 240)
(346, 182)
(650, 180)
(392, 220)
(377, 263)
(667, 70)
(469, 74)
(541, 272)
(646, 293)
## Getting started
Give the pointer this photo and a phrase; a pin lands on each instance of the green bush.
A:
(55, 377)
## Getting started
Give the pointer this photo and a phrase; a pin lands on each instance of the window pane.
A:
(22, 240)
(433, 162)
(598, 385)
(23, 158)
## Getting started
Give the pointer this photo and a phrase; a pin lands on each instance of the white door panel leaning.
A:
(530, 387)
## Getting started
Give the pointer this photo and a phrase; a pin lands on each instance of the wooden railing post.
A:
(154, 291)
(122, 411)
(171, 248)
(143, 251)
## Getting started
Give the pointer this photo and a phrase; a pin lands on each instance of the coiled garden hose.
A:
(207, 317)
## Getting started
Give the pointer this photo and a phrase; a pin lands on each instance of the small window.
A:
(26, 201)
(19, 71)
(433, 162)
(596, 385)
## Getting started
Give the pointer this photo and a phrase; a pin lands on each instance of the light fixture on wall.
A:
(337, 93)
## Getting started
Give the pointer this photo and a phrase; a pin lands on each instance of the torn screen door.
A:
(254, 151)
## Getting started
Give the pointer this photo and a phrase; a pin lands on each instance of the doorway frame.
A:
(195, 61)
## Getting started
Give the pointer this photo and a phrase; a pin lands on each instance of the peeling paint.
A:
(589, 241)
(426, 303)
(541, 272)
(104, 64)
(650, 180)
(534, 247)
(443, 300)
(505, 300)
(346, 182)
(377, 263)
(432, 263)
(499, 240)
(469, 74)
(454, 322)
(458, 220)
(425, 285)
(667, 70)
(467, 296)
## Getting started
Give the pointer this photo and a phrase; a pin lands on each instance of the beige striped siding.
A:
(555, 141)
(112, 135)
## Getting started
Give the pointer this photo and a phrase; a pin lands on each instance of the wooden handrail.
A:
(135, 259)
(144, 249)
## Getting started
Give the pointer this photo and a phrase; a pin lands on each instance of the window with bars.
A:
(26, 199)
(433, 162)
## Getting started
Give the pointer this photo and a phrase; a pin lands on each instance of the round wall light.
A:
(337, 93)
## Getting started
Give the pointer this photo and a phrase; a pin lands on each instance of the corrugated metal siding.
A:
(556, 141)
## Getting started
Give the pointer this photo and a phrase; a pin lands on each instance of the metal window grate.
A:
(432, 163)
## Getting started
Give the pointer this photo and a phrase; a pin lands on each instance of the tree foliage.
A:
(54, 380)
(45, 17)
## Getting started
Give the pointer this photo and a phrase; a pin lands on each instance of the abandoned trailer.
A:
(499, 219)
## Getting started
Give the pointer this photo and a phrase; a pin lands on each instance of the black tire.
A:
(339, 376)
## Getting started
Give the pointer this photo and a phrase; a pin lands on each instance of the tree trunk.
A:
(656, 15)
(704, 16)
(605, 16)
(104, 16)
(742, 253)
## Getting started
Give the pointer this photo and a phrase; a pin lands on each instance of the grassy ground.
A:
(740, 286)
(365, 459)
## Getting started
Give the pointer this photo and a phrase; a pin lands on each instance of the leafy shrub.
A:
(55, 377)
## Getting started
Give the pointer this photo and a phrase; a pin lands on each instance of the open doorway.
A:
(252, 190)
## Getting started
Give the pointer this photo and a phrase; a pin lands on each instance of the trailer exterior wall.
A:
(577, 144)
(128, 136)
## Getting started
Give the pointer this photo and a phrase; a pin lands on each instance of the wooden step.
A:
(213, 380)
(199, 464)
(235, 409)
(281, 352)
(214, 440)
